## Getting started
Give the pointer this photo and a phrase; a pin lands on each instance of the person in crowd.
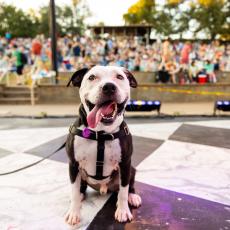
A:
(76, 50)
(209, 69)
(173, 69)
(193, 71)
(183, 75)
(185, 53)
(19, 63)
(168, 58)
(4, 65)
(163, 73)
(36, 48)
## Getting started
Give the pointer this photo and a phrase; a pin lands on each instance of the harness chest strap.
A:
(100, 137)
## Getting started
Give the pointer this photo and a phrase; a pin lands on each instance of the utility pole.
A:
(53, 36)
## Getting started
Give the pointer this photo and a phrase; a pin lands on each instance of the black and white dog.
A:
(99, 145)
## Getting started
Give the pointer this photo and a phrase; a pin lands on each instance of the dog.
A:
(99, 144)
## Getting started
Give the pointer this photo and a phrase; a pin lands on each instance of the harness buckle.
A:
(126, 129)
(96, 135)
(111, 135)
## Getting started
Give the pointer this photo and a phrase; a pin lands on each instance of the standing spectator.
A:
(17, 57)
(76, 50)
(185, 53)
(8, 36)
(36, 48)
(4, 66)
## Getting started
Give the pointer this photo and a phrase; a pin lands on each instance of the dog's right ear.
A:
(77, 77)
(131, 78)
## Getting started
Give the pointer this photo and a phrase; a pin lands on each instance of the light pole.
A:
(53, 36)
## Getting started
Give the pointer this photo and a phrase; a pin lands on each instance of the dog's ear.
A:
(131, 78)
(82, 116)
(77, 77)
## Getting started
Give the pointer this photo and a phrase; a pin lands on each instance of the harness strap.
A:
(100, 158)
(94, 135)
(100, 137)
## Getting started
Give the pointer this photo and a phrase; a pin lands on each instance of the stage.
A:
(182, 176)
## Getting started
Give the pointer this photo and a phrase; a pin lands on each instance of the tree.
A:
(165, 20)
(69, 19)
(178, 16)
(170, 19)
(20, 24)
(212, 16)
(140, 12)
(44, 20)
(16, 22)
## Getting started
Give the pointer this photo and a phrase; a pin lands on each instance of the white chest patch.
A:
(86, 154)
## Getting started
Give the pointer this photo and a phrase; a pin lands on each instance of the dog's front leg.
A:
(73, 215)
(123, 213)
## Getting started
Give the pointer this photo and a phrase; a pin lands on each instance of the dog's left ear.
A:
(77, 77)
(131, 78)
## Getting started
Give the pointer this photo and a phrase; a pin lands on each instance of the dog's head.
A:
(104, 93)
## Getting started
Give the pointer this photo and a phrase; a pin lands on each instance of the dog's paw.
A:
(134, 200)
(123, 214)
(72, 217)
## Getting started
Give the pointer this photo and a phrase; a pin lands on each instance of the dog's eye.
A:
(120, 77)
(92, 77)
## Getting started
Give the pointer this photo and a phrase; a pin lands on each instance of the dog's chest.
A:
(86, 154)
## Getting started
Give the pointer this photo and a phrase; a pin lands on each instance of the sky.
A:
(108, 11)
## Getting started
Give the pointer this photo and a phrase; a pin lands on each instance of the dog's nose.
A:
(109, 88)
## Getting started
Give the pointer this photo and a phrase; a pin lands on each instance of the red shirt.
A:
(36, 48)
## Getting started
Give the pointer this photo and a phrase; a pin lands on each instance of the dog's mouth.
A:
(105, 112)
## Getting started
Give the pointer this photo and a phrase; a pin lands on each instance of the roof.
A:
(120, 26)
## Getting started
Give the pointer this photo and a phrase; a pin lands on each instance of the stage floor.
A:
(183, 176)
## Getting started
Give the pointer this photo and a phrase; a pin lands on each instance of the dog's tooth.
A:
(115, 110)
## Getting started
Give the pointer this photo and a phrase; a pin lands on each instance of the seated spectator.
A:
(173, 69)
(193, 71)
(137, 63)
(183, 75)
(209, 68)
(163, 74)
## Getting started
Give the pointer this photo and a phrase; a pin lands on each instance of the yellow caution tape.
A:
(184, 91)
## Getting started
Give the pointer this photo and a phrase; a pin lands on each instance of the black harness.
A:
(100, 137)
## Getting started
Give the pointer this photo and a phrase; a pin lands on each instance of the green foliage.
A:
(140, 12)
(20, 24)
(68, 20)
(15, 21)
(43, 27)
(169, 20)
(211, 16)
(174, 16)
(163, 20)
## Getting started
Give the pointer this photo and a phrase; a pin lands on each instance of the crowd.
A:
(173, 61)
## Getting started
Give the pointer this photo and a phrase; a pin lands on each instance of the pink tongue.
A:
(95, 114)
